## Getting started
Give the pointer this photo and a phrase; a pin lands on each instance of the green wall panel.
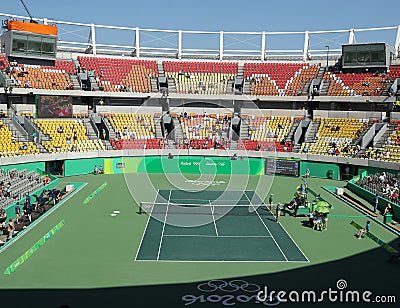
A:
(81, 166)
(320, 170)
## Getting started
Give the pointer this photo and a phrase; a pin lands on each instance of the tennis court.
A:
(214, 226)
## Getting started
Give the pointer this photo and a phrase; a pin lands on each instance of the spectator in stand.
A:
(376, 201)
(46, 179)
(28, 211)
(28, 199)
(3, 217)
(17, 212)
(388, 209)
(10, 228)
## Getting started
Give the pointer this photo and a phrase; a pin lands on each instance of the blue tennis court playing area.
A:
(214, 226)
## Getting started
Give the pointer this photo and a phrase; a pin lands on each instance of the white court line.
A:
(163, 229)
(147, 223)
(266, 228)
(219, 236)
(220, 261)
(288, 235)
(212, 213)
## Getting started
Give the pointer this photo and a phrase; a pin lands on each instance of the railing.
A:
(221, 45)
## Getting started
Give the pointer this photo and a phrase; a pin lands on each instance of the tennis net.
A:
(219, 209)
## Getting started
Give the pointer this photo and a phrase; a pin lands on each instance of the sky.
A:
(214, 15)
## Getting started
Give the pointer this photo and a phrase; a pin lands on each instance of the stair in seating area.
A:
(15, 132)
(306, 88)
(321, 72)
(247, 87)
(75, 81)
(90, 133)
(296, 148)
(383, 140)
(313, 132)
(171, 85)
(234, 145)
(177, 129)
(157, 123)
(160, 66)
(324, 88)
(290, 135)
(154, 84)
(107, 145)
(111, 132)
(244, 129)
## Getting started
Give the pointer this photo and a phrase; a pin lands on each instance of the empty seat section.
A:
(9, 146)
(352, 84)
(134, 131)
(55, 77)
(67, 135)
(121, 75)
(211, 78)
(283, 79)
(267, 133)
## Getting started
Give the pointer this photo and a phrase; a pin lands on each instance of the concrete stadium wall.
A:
(274, 112)
(349, 114)
(127, 109)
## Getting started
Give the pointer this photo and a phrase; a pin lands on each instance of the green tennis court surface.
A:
(214, 226)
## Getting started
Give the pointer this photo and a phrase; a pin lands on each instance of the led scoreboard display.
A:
(288, 166)
(366, 55)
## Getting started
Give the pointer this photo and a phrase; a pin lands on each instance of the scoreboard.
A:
(288, 166)
(366, 55)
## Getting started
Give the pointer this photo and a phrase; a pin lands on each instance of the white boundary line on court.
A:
(221, 236)
(163, 229)
(266, 227)
(212, 213)
(221, 261)
(289, 236)
(293, 240)
(145, 229)
(216, 261)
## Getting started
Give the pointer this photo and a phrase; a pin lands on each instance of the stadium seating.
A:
(283, 79)
(3, 62)
(262, 128)
(383, 184)
(67, 135)
(212, 78)
(394, 71)
(352, 84)
(266, 145)
(43, 77)
(336, 136)
(137, 144)
(118, 75)
(19, 183)
(204, 131)
(11, 147)
(390, 151)
(133, 126)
